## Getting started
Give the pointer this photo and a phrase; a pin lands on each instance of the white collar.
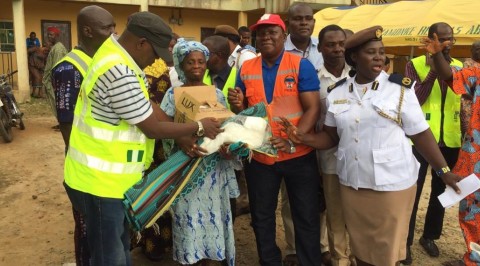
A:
(323, 72)
(289, 46)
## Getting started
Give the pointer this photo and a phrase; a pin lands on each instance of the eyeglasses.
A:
(451, 39)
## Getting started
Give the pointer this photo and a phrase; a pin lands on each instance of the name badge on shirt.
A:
(342, 101)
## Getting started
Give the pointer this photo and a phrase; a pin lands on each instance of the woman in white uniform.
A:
(372, 116)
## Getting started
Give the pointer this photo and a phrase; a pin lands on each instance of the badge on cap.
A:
(378, 33)
(265, 17)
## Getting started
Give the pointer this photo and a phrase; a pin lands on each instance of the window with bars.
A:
(7, 41)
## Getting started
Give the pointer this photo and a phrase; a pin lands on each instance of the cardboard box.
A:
(195, 103)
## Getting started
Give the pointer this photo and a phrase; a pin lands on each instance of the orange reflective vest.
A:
(285, 102)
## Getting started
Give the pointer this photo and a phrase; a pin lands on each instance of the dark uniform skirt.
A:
(377, 222)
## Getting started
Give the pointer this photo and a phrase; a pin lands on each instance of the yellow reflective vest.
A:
(103, 159)
(432, 108)
(230, 83)
(79, 59)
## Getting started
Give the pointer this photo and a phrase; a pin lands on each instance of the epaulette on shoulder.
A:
(338, 83)
(400, 80)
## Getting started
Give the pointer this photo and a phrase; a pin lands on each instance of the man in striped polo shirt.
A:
(113, 132)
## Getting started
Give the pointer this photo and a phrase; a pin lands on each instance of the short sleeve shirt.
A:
(373, 151)
(117, 95)
(307, 77)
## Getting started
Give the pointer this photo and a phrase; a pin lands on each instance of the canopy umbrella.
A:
(406, 22)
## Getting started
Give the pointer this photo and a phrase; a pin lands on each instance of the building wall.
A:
(195, 14)
(193, 20)
(36, 11)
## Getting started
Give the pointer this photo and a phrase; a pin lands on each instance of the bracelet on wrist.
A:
(442, 171)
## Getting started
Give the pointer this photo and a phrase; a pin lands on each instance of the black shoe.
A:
(408, 260)
(429, 246)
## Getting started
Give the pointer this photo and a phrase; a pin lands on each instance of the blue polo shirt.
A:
(307, 77)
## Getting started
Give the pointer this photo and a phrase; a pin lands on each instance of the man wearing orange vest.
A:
(289, 86)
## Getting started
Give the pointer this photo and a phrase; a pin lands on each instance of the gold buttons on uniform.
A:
(357, 120)
(356, 139)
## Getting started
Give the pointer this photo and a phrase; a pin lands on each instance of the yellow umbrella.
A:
(406, 22)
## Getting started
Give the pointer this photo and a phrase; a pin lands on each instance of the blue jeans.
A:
(107, 229)
(302, 181)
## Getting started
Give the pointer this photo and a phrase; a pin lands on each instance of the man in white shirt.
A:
(332, 46)
(238, 54)
(299, 41)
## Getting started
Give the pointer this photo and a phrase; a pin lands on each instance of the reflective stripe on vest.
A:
(432, 107)
(79, 59)
(285, 102)
(103, 159)
(105, 166)
(108, 135)
(230, 83)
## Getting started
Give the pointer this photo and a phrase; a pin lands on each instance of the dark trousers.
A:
(107, 229)
(302, 181)
(435, 211)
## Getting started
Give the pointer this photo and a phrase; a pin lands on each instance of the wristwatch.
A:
(200, 130)
(292, 146)
(442, 171)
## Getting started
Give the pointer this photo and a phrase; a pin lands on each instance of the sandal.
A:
(290, 260)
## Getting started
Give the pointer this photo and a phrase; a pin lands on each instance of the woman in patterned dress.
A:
(465, 81)
(202, 220)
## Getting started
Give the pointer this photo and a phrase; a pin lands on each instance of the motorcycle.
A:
(10, 114)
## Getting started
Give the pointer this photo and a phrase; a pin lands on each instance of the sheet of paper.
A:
(467, 186)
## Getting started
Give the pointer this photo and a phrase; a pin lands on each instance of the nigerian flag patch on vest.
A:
(134, 155)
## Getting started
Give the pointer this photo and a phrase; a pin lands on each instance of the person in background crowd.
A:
(348, 32)
(202, 220)
(238, 55)
(245, 37)
(463, 81)
(113, 132)
(331, 43)
(34, 70)
(368, 159)
(95, 25)
(219, 72)
(32, 40)
(300, 24)
(474, 60)
(37, 57)
(289, 85)
(386, 67)
(441, 109)
(57, 52)
(172, 73)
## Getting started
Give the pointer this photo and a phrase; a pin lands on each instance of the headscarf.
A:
(184, 48)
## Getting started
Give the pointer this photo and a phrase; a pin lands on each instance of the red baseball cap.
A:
(269, 19)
